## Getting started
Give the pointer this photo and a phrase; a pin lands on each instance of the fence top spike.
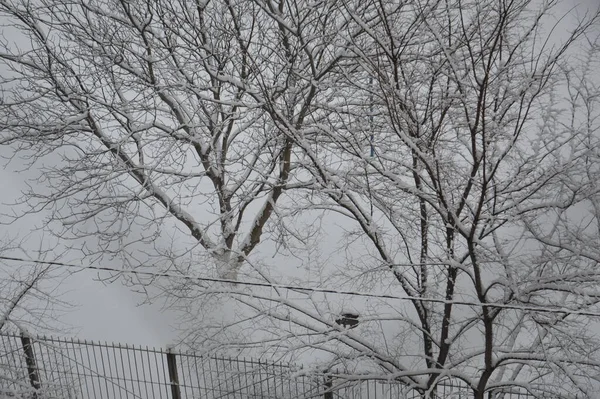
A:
(170, 348)
(23, 330)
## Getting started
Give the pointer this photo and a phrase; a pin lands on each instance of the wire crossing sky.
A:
(290, 287)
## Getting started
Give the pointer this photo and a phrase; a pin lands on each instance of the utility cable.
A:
(542, 309)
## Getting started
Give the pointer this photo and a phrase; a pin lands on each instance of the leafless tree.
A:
(30, 297)
(153, 114)
(23, 298)
(459, 137)
(469, 140)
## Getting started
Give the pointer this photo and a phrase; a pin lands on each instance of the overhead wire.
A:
(291, 287)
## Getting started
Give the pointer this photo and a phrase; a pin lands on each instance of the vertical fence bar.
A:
(14, 361)
(159, 373)
(204, 371)
(124, 374)
(104, 375)
(275, 379)
(226, 375)
(67, 364)
(32, 371)
(60, 360)
(190, 382)
(220, 378)
(80, 373)
(47, 367)
(289, 382)
(130, 369)
(118, 374)
(89, 363)
(296, 381)
(240, 385)
(183, 366)
(164, 371)
(173, 377)
(137, 375)
(150, 380)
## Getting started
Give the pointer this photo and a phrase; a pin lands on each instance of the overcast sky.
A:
(112, 312)
(107, 312)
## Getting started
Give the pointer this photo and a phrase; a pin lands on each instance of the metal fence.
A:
(46, 368)
(53, 368)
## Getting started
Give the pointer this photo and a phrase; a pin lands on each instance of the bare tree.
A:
(30, 295)
(26, 299)
(152, 114)
(470, 152)
(460, 139)
(163, 130)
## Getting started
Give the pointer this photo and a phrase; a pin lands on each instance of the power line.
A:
(542, 309)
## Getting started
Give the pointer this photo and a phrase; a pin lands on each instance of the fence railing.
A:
(46, 367)
(53, 368)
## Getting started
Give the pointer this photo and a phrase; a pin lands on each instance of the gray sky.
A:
(107, 312)
(112, 312)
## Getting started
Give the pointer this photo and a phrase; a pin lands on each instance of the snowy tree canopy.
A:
(456, 143)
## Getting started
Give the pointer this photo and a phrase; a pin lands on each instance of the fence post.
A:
(172, 366)
(32, 371)
(328, 385)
